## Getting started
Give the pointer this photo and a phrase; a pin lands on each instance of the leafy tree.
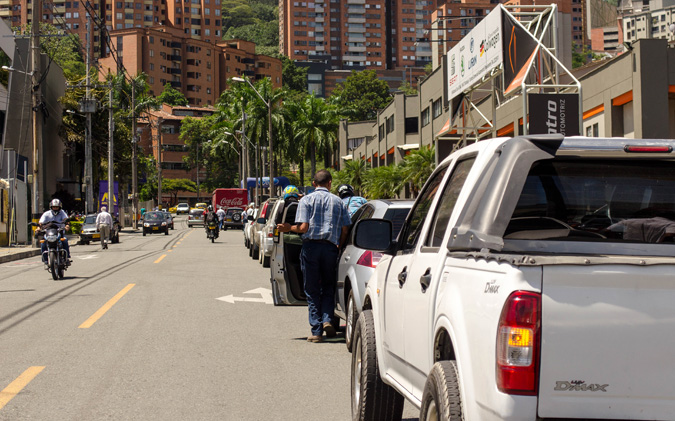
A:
(354, 173)
(177, 185)
(364, 93)
(4, 74)
(407, 88)
(582, 55)
(294, 77)
(236, 14)
(172, 96)
(66, 51)
(265, 35)
(316, 126)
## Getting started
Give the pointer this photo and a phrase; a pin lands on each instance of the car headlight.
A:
(146, 225)
(163, 223)
(51, 238)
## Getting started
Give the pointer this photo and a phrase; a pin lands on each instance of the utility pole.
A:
(159, 161)
(111, 128)
(134, 158)
(87, 109)
(199, 191)
(37, 108)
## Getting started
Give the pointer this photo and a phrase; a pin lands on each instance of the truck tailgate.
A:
(608, 342)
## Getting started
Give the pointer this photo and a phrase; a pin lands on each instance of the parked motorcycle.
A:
(57, 257)
(211, 231)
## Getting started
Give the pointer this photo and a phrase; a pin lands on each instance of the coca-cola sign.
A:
(230, 202)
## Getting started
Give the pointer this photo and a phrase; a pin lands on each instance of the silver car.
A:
(286, 275)
(258, 225)
(267, 234)
(357, 265)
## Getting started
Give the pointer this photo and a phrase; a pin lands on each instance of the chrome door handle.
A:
(425, 280)
(347, 258)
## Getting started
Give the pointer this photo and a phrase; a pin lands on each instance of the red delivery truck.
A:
(229, 198)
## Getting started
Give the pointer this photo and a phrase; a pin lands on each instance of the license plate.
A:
(96, 236)
(155, 228)
(229, 219)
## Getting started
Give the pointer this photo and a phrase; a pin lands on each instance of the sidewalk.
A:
(10, 254)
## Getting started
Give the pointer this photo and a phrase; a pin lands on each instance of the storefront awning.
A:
(445, 129)
(409, 146)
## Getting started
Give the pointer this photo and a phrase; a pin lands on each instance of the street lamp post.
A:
(269, 129)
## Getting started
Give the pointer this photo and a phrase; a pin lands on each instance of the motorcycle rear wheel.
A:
(53, 265)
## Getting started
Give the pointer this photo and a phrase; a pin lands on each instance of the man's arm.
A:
(297, 228)
(343, 235)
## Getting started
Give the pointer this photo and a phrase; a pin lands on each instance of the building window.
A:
(437, 108)
(425, 117)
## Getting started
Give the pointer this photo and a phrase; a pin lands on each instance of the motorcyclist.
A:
(346, 193)
(58, 216)
(210, 216)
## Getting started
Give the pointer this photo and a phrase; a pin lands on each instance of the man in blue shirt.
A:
(323, 220)
(346, 193)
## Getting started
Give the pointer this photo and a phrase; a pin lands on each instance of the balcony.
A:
(172, 57)
(247, 60)
(318, 9)
(248, 73)
(351, 37)
(353, 57)
(356, 20)
(175, 84)
(174, 71)
(356, 2)
(354, 29)
(319, 19)
(175, 44)
(356, 49)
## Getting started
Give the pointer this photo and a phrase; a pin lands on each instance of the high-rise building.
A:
(356, 34)
(197, 68)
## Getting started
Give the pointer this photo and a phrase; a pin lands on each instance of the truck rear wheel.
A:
(372, 399)
(441, 399)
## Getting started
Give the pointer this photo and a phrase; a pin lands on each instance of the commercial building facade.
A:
(631, 95)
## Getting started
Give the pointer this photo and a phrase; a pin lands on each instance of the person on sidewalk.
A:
(323, 220)
(58, 216)
(103, 225)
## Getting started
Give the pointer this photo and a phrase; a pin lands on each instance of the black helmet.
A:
(345, 190)
(210, 208)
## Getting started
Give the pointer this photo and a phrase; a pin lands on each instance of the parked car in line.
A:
(258, 225)
(285, 272)
(169, 219)
(155, 222)
(532, 279)
(89, 233)
(233, 218)
(356, 265)
(182, 208)
(172, 209)
(267, 234)
(248, 228)
(200, 205)
(195, 217)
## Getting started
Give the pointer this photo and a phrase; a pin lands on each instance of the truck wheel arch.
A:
(444, 349)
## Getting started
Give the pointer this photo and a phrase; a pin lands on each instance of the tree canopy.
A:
(171, 96)
(363, 94)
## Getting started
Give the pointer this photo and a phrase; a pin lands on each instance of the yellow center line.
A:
(15, 387)
(101, 311)
(160, 258)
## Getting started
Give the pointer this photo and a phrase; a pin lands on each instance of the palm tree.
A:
(418, 166)
(355, 172)
(316, 126)
(384, 182)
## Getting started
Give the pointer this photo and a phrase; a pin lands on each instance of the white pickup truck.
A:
(534, 279)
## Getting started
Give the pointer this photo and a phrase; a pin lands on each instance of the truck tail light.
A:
(518, 344)
(369, 259)
(648, 149)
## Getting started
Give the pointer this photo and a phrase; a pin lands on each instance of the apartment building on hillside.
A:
(196, 19)
(355, 34)
(197, 68)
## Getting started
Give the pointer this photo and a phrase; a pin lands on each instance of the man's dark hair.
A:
(322, 178)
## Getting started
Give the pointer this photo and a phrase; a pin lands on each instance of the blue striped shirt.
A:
(325, 213)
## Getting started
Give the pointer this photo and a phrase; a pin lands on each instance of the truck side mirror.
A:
(373, 234)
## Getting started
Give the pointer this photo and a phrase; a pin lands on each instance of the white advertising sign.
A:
(476, 54)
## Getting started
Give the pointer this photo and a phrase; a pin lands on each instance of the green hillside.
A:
(255, 20)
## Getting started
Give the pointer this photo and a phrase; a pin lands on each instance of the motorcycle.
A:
(57, 257)
(211, 232)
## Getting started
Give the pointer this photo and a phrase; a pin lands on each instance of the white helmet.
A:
(103, 209)
(55, 203)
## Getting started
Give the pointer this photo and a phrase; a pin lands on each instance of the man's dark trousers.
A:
(319, 263)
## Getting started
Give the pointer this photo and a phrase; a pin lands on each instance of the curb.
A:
(20, 255)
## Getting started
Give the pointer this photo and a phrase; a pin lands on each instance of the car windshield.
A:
(597, 200)
(154, 216)
(182, 205)
(397, 218)
(91, 219)
(167, 215)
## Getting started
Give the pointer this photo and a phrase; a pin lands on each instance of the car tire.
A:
(143, 233)
(441, 399)
(166, 231)
(256, 252)
(266, 261)
(352, 317)
(372, 399)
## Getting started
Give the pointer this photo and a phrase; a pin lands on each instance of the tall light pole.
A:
(269, 129)
(134, 157)
(37, 108)
(111, 129)
(159, 161)
(199, 195)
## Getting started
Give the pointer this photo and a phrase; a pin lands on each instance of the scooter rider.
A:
(210, 216)
(60, 218)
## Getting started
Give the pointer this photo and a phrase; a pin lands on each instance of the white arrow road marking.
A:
(265, 297)
(87, 257)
